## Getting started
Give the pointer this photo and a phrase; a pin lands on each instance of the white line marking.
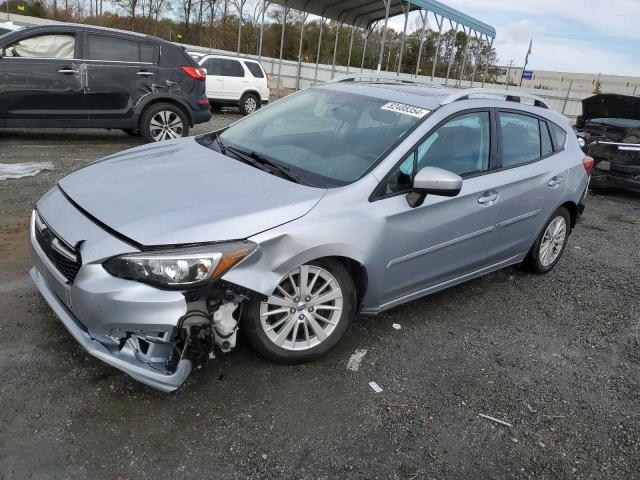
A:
(356, 359)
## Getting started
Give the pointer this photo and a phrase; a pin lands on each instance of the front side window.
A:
(44, 46)
(213, 66)
(520, 139)
(329, 138)
(401, 178)
(462, 145)
(113, 49)
(232, 68)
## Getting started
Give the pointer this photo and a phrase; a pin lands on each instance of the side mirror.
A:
(434, 181)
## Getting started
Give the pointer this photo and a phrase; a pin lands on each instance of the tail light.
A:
(587, 163)
(197, 73)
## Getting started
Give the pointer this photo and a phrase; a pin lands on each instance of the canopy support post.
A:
(405, 9)
(387, 5)
(486, 66)
(453, 51)
(285, 10)
(435, 60)
(475, 62)
(423, 17)
(335, 49)
(364, 48)
(304, 19)
(353, 30)
(315, 75)
(240, 8)
(464, 55)
(265, 5)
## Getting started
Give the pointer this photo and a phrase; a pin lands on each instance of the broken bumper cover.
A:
(117, 306)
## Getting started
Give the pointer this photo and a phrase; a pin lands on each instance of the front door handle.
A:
(555, 181)
(68, 71)
(488, 198)
(144, 73)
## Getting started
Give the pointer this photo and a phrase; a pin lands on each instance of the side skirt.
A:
(441, 286)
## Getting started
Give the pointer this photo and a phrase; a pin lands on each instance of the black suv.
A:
(80, 76)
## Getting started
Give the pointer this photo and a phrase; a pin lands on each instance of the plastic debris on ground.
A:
(501, 422)
(356, 359)
(397, 326)
(376, 388)
(19, 170)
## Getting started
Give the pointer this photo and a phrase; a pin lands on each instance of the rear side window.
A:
(520, 139)
(559, 136)
(545, 139)
(255, 69)
(44, 46)
(115, 49)
(232, 68)
(213, 66)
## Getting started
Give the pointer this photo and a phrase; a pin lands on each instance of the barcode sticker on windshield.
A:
(406, 109)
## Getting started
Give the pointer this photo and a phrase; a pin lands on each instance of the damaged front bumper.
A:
(123, 359)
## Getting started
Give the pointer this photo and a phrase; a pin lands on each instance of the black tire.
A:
(249, 103)
(533, 261)
(150, 132)
(256, 336)
(134, 132)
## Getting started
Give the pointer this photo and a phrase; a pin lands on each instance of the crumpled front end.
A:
(616, 165)
(156, 336)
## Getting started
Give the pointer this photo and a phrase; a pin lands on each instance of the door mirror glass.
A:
(436, 181)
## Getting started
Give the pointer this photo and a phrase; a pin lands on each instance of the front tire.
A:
(249, 103)
(163, 121)
(306, 316)
(550, 244)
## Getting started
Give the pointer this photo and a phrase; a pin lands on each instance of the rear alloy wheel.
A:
(249, 103)
(164, 122)
(550, 244)
(305, 316)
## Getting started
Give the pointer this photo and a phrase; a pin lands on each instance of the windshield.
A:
(616, 122)
(326, 138)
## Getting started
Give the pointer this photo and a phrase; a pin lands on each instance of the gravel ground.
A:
(555, 355)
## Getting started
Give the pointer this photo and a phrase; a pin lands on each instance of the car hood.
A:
(181, 192)
(611, 106)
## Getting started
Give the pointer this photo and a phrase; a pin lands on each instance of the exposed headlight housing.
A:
(181, 268)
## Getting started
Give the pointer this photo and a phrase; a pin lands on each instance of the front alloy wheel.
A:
(306, 315)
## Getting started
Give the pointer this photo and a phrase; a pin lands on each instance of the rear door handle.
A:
(68, 71)
(488, 198)
(555, 181)
(144, 73)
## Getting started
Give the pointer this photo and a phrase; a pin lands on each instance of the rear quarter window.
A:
(558, 135)
(255, 69)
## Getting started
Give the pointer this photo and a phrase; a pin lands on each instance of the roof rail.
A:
(510, 96)
(375, 78)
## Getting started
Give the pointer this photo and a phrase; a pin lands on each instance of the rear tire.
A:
(301, 325)
(163, 121)
(550, 244)
(249, 103)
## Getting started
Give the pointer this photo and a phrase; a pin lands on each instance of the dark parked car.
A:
(609, 131)
(92, 77)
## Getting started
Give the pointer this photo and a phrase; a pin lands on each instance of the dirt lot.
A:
(554, 355)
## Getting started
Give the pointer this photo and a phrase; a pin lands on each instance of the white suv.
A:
(233, 81)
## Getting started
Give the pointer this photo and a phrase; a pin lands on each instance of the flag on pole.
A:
(526, 60)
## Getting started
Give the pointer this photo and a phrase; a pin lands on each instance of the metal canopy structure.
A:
(366, 14)
(363, 13)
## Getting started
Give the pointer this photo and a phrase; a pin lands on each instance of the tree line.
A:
(214, 24)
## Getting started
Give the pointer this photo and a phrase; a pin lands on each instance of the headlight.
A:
(184, 268)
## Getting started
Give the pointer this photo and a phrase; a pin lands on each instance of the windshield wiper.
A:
(258, 158)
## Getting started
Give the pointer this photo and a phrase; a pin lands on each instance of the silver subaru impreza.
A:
(347, 198)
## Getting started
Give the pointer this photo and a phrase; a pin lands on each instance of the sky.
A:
(585, 36)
